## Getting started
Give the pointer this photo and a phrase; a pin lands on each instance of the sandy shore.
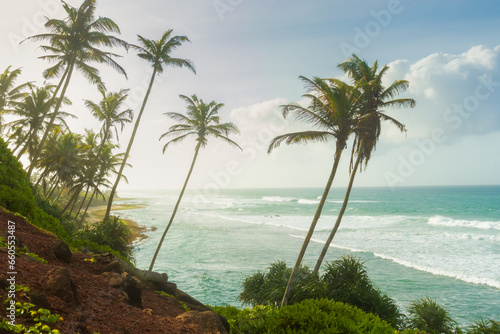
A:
(96, 213)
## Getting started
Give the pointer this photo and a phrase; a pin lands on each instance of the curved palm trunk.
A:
(83, 201)
(175, 208)
(341, 213)
(131, 141)
(80, 223)
(295, 270)
(66, 78)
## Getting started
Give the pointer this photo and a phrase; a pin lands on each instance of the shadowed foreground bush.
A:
(111, 232)
(308, 316)
(345, 280)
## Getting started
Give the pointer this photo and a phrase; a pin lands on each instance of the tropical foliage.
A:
(344, 280)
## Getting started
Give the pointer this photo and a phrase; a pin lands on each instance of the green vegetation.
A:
(308, 316)
(39, 320)
(426, 314)
(345, 280)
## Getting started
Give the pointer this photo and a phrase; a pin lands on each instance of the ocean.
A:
(437, 242)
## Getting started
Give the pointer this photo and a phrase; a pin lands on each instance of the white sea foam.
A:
(446, 221)
(457, 275)
(277, 199)
(308, 201)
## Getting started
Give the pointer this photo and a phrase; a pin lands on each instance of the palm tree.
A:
(74, 42)
(333, 110)
(108, 110)
(202, 121)
(108, 162)
(30, 111)
(376, 99)
(62, 157)
(158, 54)
(9, 93)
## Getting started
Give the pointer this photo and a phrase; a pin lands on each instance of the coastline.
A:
(96, 213)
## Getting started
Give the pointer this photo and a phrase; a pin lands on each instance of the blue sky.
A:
(249, 54)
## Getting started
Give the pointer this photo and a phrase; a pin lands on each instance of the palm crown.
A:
(158, 52)
(202, 120)
(75, 40)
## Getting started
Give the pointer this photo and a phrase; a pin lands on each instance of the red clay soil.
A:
(93, 303)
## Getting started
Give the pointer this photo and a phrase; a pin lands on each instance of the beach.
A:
(96, 213)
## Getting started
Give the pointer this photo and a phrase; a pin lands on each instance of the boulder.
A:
(59, 284)
(133, 288)
(62, 252)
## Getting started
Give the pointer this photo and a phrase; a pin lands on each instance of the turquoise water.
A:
(439, 242)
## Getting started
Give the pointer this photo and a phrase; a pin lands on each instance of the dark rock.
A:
(39, 299)
(115, 279)
(62, 251)
(59, 284)
(167, 287)
(190, 301)
(133, 288)
(114, 267)
(205, 322)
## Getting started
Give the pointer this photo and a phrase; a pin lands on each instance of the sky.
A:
(249, 55)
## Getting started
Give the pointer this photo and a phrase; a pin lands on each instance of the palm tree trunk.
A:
(80, 223)
(53, 188)
(131, 141)
(91, 171)
(291, 280)
(66, 78)
(341, 213)
(83, 201)
(175, 208)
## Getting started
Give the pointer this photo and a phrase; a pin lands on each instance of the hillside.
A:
(93, 293)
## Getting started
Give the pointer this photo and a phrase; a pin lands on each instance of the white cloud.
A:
(457, 93)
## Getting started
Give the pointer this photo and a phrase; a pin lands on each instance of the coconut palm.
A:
(9, 92)
(376, 98)
(74, 43)
(109, 111)
(108, 162)
(30, 123)
(62, 157)
(333, 110)
(202, 121)
(158, 54)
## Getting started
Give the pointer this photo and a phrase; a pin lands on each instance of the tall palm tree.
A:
(333, 110)
(109, 111)
(9, 92)
(158, 54)
(74, 43)
(372, 112)
(202, 121)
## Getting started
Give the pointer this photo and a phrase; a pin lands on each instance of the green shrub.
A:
(484, 327)
(308, 316)
(111, 232)
(263, 288)
(346, 280)
(427, 315)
